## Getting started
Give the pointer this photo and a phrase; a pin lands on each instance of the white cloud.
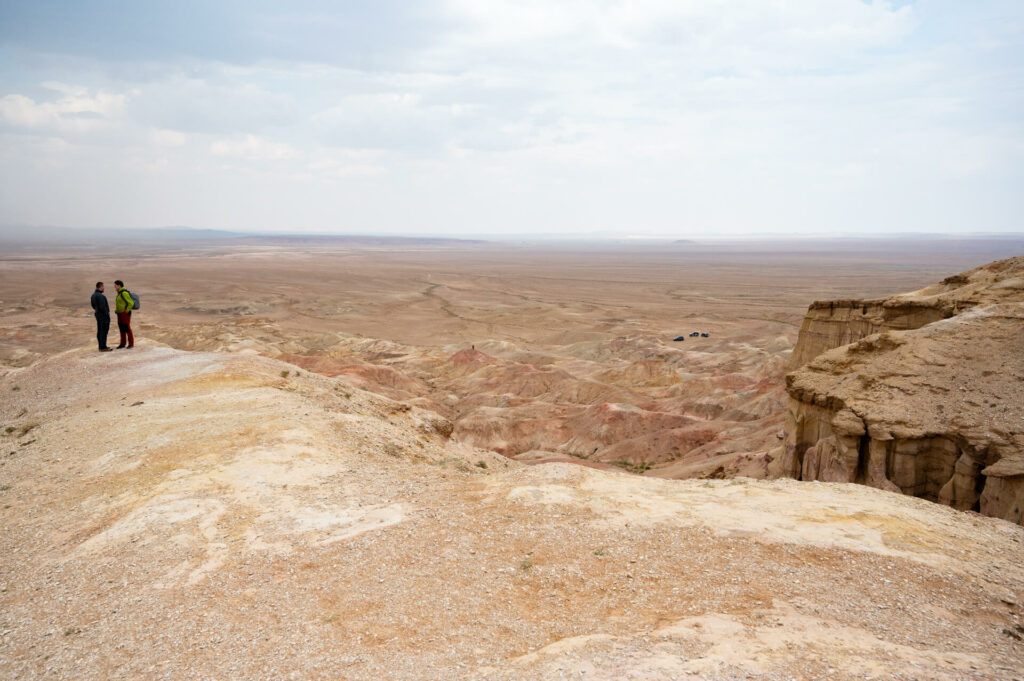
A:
(65, 88)
(77, 110)
(746, 35)
(215, 99)
(252, 148)
(169, 138)
(327, 168)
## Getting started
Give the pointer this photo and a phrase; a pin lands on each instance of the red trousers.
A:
(124, 325)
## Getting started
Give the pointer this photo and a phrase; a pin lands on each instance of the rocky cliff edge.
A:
(935, 410)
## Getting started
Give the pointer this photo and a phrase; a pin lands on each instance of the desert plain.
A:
(369, 458)
(557, 351)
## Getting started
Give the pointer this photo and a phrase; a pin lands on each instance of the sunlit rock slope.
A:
(168, 514)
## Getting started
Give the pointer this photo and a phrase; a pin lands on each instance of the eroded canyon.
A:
(539, 352)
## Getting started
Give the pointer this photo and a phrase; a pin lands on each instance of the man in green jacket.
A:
(123, 307)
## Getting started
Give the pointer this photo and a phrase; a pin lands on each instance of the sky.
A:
(659, 118)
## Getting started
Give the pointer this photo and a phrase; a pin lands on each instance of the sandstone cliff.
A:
(925, 397)
(834, 323)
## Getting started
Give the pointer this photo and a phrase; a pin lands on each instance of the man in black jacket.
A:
(101, 308)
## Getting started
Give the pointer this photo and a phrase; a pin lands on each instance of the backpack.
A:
(135, 299)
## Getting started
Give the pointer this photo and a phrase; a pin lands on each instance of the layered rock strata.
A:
(834, 323)
(935, 411)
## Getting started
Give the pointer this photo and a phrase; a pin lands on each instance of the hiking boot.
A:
(130, 347)
(106, 349)
(119, 347)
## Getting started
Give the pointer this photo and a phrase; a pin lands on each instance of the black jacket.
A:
(100, 306)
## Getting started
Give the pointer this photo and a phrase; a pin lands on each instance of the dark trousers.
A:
(102, 329)
(124, 325)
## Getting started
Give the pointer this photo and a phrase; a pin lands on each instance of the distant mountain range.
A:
(73, 236)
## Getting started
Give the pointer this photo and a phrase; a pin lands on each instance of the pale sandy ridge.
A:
(168, 514)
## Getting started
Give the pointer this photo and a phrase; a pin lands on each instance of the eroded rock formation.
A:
(927, 399)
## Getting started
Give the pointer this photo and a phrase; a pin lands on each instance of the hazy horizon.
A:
(51, 233)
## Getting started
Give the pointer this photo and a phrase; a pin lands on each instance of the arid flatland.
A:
(579, 337)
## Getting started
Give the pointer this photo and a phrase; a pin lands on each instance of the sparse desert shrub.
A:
(16, 388)
(459, 464)
(600, 552)
(633, 467)
(481, 464)
(9, 429)
(526, 565)
(439, 425)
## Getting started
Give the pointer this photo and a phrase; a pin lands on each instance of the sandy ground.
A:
(190, 515)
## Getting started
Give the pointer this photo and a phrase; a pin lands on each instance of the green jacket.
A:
(124, 302)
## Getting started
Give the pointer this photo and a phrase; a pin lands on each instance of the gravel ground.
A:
(181, 515)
